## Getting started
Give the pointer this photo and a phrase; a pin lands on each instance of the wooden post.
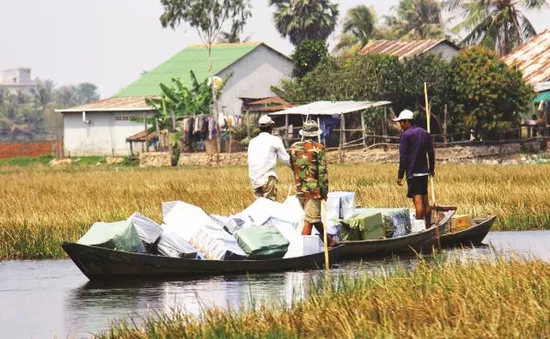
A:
(344, 127)
(131, 148)
(160, 141)
(230, 139)
(445, 125)
(340, 155)
(146, 133)
(384, 124)
(287, 134)
(364, 127)
(248, 124)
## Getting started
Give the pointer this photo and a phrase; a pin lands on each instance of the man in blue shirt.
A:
(417, 161)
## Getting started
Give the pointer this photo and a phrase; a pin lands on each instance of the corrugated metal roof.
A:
(403, 49)
(142, 136)
(192, 58)
(331, 107)
(542, 86)
(110, 105)
(267, 101)
(533, 58)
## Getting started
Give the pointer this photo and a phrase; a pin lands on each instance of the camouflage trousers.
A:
(312, 209)
(269, 190)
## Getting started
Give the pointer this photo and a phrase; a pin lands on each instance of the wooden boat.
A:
(473, 235)
(420, 241)
(104, 264)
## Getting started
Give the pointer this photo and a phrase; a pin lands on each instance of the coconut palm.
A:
(359, 28)
(305, 19)
(417, 19)
(497, 24)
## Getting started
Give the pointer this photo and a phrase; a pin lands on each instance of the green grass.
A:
(26, 161)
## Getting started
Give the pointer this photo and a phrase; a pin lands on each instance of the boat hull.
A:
(470, 236)
(103, 264)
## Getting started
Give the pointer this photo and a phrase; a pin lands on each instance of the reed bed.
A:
(488, 299)
(39, 207)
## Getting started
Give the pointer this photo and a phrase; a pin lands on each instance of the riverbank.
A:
(39, 207)
(482, 299)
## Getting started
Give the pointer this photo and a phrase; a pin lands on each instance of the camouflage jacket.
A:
(309, 164)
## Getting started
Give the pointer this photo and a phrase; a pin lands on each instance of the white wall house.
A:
(101, 128)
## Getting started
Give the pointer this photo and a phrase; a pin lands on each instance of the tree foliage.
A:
(31, 114)
(478, 90)
(305, 19)
(488, 94)
(417, 19)
(179, 100)
(500, 25)
(307, 56)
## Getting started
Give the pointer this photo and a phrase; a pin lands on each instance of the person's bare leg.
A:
(306, 230)
(419, 207)
(427, 210)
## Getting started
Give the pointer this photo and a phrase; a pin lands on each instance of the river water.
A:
(53, 299)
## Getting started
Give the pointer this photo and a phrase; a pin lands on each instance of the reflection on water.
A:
(43, 299)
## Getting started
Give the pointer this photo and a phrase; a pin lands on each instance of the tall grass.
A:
(40, 207)
(502, 299)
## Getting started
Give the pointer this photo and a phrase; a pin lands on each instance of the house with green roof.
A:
(101, 128)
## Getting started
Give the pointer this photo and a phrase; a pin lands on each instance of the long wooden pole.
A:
(323, 219)
(428, 116)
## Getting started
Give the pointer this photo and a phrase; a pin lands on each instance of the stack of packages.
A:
(192, 225)
(397, 219)
(349, 223)
(276, 220)
(340, 205)
(266, 229)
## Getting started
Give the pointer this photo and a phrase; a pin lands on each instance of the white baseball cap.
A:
(405, 115)
(265, 121)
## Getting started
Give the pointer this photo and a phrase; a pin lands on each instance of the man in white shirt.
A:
(263, 152)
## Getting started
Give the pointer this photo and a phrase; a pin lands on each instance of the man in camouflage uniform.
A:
(308, 162)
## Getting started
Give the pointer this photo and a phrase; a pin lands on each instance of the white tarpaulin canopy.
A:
(331, 107)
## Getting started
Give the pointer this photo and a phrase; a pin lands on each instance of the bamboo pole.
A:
(428, 117)
(324, 221)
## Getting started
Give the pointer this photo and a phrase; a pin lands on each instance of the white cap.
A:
(265, 121)
(405, 115)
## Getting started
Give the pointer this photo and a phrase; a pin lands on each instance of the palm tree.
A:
(305, 19)
(417, 19)
(360, 22)
(358, 29)
(497, 24)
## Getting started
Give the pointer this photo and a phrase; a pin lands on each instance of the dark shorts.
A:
(417, 186)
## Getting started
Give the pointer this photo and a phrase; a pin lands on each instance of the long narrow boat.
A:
(473, 235)
(408, 243)
(104, 264)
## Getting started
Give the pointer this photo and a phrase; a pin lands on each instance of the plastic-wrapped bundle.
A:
(394, 218)
(149, 231)
(340, 205)
(173, 245)
(203, 233)
(120, 236)
(262, 242)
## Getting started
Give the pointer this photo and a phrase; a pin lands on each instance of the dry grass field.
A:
(39, 206)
